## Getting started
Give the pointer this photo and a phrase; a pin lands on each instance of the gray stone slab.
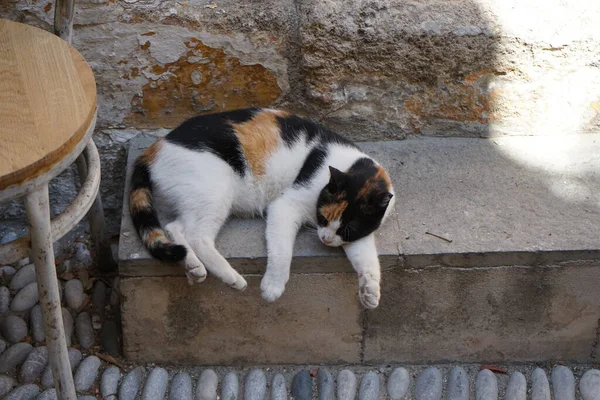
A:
(503, 201)
(247, 256)
(500, 201)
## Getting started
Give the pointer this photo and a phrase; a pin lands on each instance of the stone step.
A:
(492, 254)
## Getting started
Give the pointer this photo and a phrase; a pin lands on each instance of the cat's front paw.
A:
(196, 275)
(272, 288)
(369, 294)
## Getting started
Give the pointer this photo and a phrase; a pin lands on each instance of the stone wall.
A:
(375, 70)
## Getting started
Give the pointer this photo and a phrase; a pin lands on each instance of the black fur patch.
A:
(213, 133)
(313, 162)
(292, 127)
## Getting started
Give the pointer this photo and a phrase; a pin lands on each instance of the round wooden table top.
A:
(47, 101)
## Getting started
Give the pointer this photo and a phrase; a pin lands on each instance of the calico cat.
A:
(249, 161)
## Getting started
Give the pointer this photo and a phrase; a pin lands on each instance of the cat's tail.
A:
(143, 213)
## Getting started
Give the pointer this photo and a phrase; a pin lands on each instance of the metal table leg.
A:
(38, 216)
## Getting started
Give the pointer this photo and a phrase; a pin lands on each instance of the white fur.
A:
(203, 191)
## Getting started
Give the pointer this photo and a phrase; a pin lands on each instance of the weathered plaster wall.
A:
(375, 70)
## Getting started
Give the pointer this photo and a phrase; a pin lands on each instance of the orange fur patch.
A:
(140, 199)
(371, 183)
(151, 152)
(333, 211)
(153, 236)
(259, 137)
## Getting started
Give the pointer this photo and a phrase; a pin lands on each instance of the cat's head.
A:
(353, 203)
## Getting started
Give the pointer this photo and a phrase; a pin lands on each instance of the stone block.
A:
(315, 321)
(485, 315)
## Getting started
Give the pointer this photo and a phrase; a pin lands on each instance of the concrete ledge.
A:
(166, 320)
(506, 201)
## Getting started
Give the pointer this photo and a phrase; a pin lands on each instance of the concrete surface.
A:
(506, 201)
(485, 315)
(166, 320)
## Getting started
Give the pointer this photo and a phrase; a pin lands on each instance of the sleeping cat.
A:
(249, 161)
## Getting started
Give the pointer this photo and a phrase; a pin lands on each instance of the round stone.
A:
(86, 373)
(4, 299)
(86, 398)
(516, 389)
(302, 386)
(429, 385)
(230, 387)
(398, 383)
(207, 385)
(181, 387)
(14, 356)
(13, 328)
(369, 387)
(25, 392)
(74, 294)
(7, 272)
(8, 237)
(131, 384)
(68, 324)
(23, 262)
(3, 346)
(156, 384)
(109, 383)
(74, 360)
(563, 383)
(34, 364)
(486, 386)
(278, 389)
(255, 387)
(109, 338)
(82, 258)
(84, 330)
(36, 321)
(540, 387)
(346, 385)
(325, 386)
(23, 277)
(458, 385)
(99, 298)
(589, 385)
(7, 383)
(25, 298)
(48, 394)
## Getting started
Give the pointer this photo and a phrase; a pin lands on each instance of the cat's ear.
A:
(337, 178)
(378, 203)
(384, 200)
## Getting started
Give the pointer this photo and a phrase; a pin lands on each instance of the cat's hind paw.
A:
(272, 288)
(196, 275)
(369, 294)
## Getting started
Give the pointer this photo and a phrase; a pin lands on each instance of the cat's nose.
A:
(326, 241)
